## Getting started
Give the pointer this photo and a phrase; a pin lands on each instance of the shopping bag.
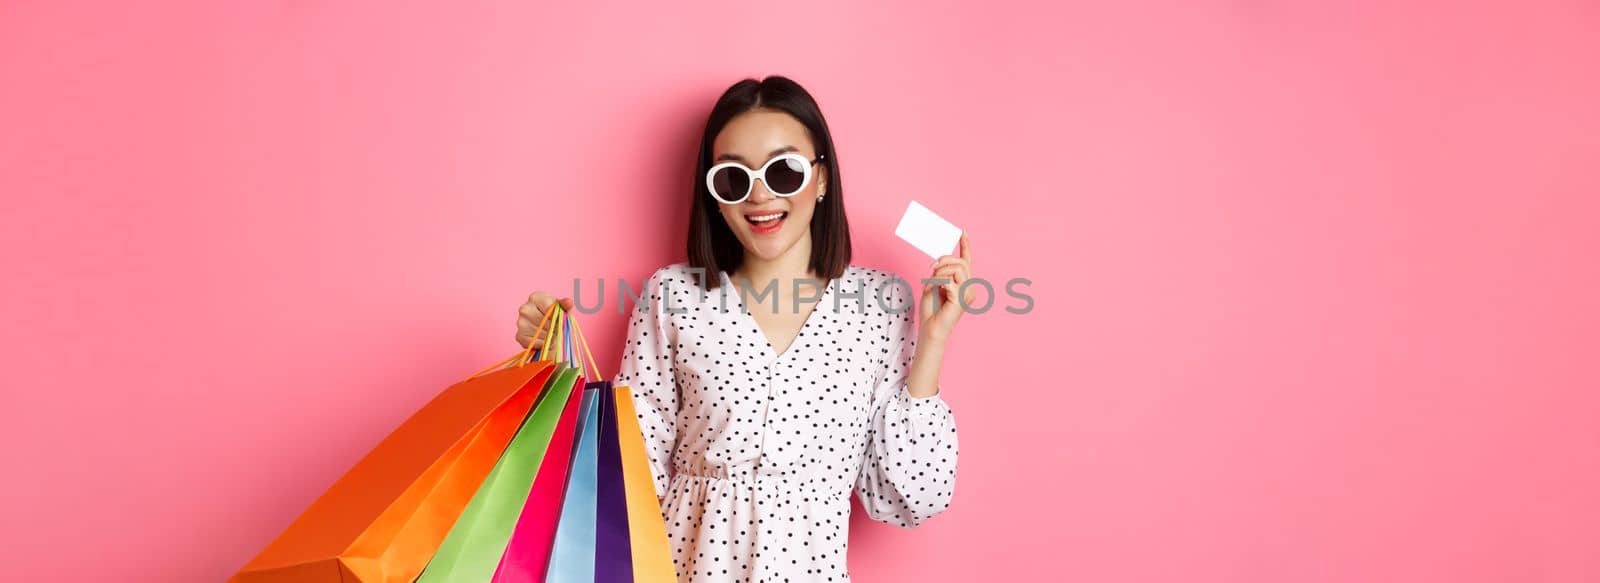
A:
(404, 495)
(572, 553)
(613, 559)
(382, 520)
(475, 543)
(652, 558)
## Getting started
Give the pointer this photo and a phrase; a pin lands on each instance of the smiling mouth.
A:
(766, 222)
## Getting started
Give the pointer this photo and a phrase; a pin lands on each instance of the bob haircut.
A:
(712, 244)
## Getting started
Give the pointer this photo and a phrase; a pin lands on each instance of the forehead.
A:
(753, 135)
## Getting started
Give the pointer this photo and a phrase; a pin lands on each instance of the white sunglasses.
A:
(731, 182)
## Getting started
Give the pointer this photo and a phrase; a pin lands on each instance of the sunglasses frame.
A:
(754, 175)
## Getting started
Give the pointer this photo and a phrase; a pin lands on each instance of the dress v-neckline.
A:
(750, 320)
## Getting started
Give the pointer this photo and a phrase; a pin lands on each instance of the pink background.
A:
(1315, 285)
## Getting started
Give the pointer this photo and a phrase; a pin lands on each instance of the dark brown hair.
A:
(712, 244)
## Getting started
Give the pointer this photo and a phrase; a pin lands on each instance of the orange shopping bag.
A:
(383, 520)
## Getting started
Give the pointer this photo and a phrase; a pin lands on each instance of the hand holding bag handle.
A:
(522, 357)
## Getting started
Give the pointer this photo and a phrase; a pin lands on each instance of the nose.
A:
(759, 193)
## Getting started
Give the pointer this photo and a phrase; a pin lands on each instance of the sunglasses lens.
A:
(787, 176)
(730, 184)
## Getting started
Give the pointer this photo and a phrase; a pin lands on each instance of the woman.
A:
(772, 378)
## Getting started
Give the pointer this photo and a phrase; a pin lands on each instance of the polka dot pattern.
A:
(755, 454)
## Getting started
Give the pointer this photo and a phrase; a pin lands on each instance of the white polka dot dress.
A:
(755, 453)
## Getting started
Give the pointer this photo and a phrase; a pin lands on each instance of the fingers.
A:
(538, 303)
(952, 260)
(956, 273)
(950, 291)
(523, 338)
(530, 332)
(532, 313)
(947, 260)
(945, 294)
(529, 316)
(956, 268)
(947, 290)
(542, 300)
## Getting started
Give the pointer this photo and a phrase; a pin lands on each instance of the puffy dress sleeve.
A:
(647, 370)
(909, 472)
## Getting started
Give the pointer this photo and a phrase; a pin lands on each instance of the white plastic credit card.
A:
(927, 231)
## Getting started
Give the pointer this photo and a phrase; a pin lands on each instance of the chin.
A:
(769, 249)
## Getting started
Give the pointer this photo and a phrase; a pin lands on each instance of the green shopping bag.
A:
(472, 550)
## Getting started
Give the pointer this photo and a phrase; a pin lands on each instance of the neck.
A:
(792, 264)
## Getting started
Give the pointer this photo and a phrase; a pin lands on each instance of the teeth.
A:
(760, 218)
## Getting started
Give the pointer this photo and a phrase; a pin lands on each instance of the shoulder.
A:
(677, 276)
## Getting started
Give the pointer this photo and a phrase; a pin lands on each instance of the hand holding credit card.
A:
(938, 238)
